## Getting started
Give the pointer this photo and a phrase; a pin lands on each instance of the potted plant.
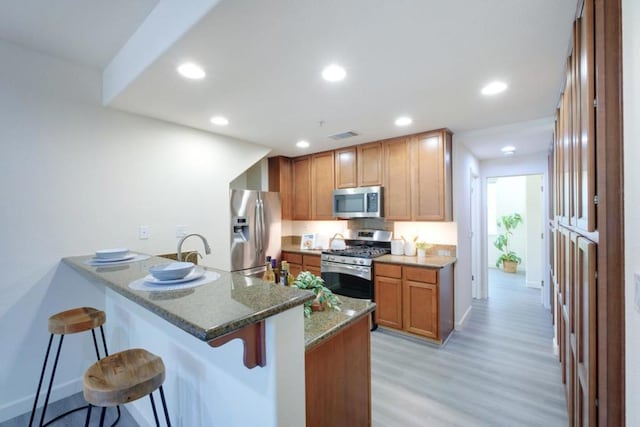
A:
(422, 247)
(324, 297)
(509, 259)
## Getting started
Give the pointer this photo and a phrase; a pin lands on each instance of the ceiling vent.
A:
(343, 135)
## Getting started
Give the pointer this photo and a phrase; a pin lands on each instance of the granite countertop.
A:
(428, 261)
(207, 311)
(322, 325)
(296, 249)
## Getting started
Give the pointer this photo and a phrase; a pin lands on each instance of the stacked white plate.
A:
(113, 255)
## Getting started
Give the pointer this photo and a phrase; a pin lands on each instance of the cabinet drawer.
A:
(311, 260)
(389, 270)
(425, 275)
(292, 258)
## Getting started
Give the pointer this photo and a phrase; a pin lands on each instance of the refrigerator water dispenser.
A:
(241, 229)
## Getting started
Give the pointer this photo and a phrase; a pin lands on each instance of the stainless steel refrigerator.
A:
(256, 228)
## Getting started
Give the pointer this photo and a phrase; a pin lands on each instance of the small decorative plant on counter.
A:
(324, 297)
(509, 259)
(422, 247)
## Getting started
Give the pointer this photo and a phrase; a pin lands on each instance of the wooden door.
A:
(397, 179)
(311, 263)
(301, 169)
(280, 180)
(429, 178)
(370, 164)
(584, 148)
(322, 185)
(388, 295)
(585, 333)
(346, 168)
(420, 304)
(569, 312)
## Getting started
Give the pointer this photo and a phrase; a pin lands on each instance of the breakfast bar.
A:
(210, 375)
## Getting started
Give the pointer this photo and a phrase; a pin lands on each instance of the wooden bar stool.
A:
(69, 322)
(124, 377)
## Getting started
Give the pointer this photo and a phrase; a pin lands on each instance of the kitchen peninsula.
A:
(218, 385)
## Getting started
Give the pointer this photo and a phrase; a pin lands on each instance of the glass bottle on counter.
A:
(284, 273)
(274, 268)
(269, 275)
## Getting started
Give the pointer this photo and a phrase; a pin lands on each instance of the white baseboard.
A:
(464, 319)
(25, 404)
(535, 285)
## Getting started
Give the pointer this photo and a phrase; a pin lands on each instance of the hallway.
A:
(498, 371)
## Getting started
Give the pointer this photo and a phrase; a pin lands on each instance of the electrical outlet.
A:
(636, 297)
(144, 232)
(181, 231)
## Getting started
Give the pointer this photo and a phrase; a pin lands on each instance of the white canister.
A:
(410, 248)
(397, 247)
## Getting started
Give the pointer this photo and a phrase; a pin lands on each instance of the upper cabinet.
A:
(397, 179)
(370, 164)
(346, 167)
(414, 170)
(301, 188)
(431, 181)
(322, 185)
(280, 178)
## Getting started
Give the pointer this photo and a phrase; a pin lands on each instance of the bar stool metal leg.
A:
(44, 367)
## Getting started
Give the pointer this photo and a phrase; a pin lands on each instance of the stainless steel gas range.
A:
(349, 271)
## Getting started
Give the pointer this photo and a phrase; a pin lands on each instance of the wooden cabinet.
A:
(280, 180)
(322, 185)
(370, 164)
(418, 300)
(338, 379)
(346, 168)
(301, 188)
(388, 295)
(431, 181)
(311, 263)
(415, 171)
(302, 262)
(397, 179)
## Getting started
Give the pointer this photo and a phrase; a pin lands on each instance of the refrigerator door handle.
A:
(263, 237)
(257, 231)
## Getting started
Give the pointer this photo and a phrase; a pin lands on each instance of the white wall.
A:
(631, 94)
(464, 166)
(510, 166)
(76, 177)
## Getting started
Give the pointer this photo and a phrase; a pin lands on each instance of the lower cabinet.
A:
(338, 379)
(418, 300)
(302, 262)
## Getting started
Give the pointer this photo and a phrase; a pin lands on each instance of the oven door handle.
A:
(353, 270)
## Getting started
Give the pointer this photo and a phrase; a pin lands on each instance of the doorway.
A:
(515, 231)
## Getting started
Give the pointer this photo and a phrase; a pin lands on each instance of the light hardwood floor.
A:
(498, 371)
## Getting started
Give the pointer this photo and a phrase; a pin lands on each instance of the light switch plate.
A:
(636, 296)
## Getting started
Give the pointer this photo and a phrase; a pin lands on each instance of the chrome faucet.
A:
(207, 248)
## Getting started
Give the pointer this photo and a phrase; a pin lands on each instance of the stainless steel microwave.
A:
(360, 202)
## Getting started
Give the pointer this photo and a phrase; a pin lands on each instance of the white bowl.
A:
(171, 271)
(112, 253)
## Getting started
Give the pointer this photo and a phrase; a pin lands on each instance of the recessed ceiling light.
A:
(403, 121)
(219, 121)
(494, 88)
(509, 153)
(302, 144)
(191, 71)
(333, 73)
(508, 148)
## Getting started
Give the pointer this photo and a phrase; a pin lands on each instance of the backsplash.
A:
(442, 236)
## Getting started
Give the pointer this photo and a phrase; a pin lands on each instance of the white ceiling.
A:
(427, 59)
